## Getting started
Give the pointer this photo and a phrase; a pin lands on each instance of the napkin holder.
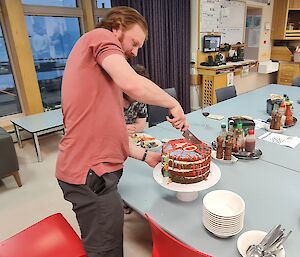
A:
(247, 122)
(270, 106)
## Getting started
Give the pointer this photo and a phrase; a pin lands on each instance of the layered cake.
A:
(184, 162)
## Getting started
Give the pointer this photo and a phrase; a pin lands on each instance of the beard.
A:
(127, 53)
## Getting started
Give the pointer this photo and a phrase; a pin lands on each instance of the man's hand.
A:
(177, 118)
(131, 128)
(153, 158)
(137, 152)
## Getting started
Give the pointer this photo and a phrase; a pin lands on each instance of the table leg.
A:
(17, 132)
(37, 147)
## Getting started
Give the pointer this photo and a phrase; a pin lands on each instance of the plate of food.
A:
(144, 140)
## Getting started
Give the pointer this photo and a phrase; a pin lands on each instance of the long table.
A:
(269, 186)
(252, 104)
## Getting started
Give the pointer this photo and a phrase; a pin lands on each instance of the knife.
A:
(190, 137)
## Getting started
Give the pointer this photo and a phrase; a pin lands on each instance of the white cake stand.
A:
(187, 192)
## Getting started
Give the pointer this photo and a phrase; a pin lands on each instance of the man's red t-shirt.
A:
(95, 132)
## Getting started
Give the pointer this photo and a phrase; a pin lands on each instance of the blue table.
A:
(37, 124)
(269, 186)
(252, 104)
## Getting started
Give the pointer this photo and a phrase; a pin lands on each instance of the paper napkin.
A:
(215, 117)
(280, 139)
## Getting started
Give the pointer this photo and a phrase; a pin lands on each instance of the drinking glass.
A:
(205, 110)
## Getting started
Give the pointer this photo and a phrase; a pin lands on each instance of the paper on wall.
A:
(230, 78)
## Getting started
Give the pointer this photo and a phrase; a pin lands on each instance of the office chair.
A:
(164, 245)
(50, 237)
(296, 82)
(157, 114)
(225, 93)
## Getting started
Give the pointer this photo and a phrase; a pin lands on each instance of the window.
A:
(60, 3)
(101, 7)
(51, 40)
(53, 27)
(103, 4)
(9, 101)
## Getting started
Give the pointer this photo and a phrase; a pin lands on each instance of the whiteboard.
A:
(225, 17)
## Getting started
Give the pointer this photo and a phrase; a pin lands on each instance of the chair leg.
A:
(17, 178)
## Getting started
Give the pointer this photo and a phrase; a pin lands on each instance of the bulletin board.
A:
(225, 17)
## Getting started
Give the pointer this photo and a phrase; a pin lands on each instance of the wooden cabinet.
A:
(210, 83)
(294, 4)
(287, 73)
(214, 77)
(286, 20)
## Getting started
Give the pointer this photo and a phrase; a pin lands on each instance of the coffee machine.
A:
(240, 53)
(219, 59)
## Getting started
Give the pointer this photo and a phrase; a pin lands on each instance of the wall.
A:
(195, 89)
(253, 80)
(252, 52)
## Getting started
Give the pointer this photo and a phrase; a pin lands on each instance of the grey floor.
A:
(40, 196)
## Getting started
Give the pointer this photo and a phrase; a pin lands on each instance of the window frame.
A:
(99, 12)
(55, 11)
(84, 12)
(6, 119)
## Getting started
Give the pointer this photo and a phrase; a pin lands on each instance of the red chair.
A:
(164, 245)
(50, 237)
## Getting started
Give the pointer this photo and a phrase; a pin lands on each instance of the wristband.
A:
(145, 155)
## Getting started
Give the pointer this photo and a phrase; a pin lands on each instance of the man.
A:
(93, 149)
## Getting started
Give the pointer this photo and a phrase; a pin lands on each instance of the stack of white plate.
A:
(223, 213)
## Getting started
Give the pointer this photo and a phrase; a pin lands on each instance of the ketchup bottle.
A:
(250, 141)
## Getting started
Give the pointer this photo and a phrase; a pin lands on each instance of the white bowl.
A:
(223, 218)
(219, 223)
(220, 232)
(224, 203)
(252, 237)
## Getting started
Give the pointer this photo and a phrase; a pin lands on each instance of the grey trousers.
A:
(99, 212)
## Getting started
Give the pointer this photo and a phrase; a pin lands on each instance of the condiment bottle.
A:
(276, 106)
(276, 117)
(287, 99)
(292, 107)
(230, 127)
(231, 133)
(223, 132)
(220, 142)
(240, 139)
(288, 115)
(228, 148)
(250, 141)
(282, 110)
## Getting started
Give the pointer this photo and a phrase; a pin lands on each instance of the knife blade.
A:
(189, 136)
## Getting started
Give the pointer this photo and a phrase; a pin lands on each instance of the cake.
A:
(184, 162)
